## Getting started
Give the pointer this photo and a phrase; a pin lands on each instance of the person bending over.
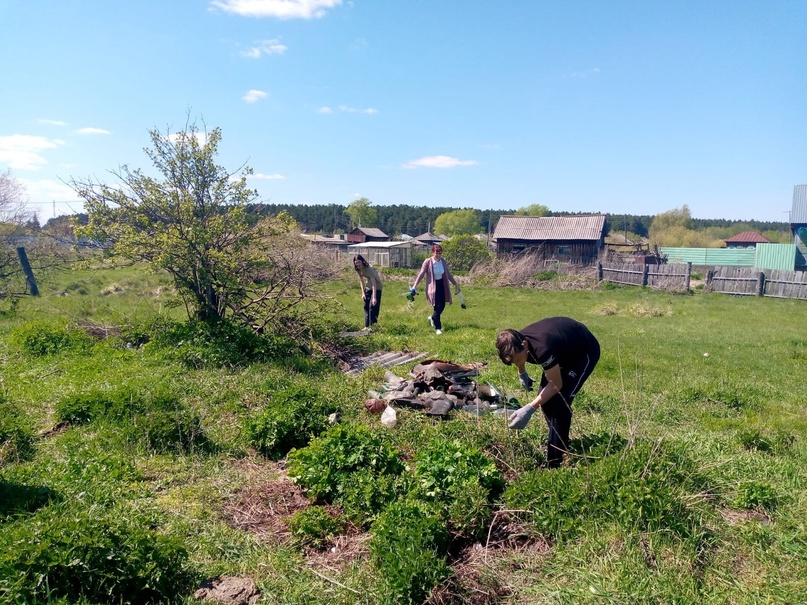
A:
(567, 352)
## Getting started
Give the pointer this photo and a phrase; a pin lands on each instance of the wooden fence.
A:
(662, 277)
(748, 281)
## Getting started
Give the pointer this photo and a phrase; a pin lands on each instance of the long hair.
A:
(363, 262)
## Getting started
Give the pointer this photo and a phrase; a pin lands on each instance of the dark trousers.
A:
(371, 311)
(439, 304)
(558, 410)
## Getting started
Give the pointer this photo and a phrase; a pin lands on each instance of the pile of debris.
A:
(436, 387)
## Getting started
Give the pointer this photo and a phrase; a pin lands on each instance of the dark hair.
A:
(360, 258)
(437, 248)
(508, 343)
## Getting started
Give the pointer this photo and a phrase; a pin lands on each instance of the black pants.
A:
(558, 410)
(439, 304)
(371, 311)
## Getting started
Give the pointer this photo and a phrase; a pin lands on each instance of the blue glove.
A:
(520, 418)
(526, 381)
(412, 291)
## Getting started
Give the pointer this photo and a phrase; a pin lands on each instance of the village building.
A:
(573, 239)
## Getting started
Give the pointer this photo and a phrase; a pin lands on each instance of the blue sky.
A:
(634, 107)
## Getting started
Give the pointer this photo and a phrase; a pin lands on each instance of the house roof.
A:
(799, 212)
(747, 237)
(429, 237)
(389, 244)
(541, 228)
(371, 231)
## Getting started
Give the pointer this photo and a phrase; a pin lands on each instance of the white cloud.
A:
(588, 73)
(281, 9)
(46, 194)
(266, 177)
(325, 110)
(23, 152)
(91, 130)
(370, 111)
(201, 137)
(253, 96)
(265, 47)
(52, 122)
(348, 109)
(438, 161)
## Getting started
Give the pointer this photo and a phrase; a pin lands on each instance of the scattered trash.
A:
(389, 418)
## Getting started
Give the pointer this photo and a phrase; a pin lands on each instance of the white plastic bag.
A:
(389, 418)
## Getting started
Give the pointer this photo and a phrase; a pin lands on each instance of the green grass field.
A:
(688, 484)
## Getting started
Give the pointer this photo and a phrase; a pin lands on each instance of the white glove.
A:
(520, 418)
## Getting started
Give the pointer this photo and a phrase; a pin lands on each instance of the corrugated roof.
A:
(372, 232)
(388, 244)
(799, 212)
(748, 237)
(550, 227)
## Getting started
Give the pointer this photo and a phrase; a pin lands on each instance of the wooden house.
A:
(359, 235)
(574, 239)
(746, 239)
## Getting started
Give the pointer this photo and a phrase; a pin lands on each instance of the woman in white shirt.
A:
(438, 293)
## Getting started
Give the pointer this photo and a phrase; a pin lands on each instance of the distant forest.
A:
(413, 220)
(400, 219)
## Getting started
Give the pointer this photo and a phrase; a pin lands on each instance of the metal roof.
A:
(387, 244)
(550, 227)
(799, 212)
(748, 237)
(372, 231)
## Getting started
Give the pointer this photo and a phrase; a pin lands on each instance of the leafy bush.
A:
(314, 526)
(294, 417)
(171, 426)
(642, 489)
(756, 494)
(16, 434)
(102, 556)
(39, 339)
(461, 480)
(345, 465)
(222, 343)
(408, 547)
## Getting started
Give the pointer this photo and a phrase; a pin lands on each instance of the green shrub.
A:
(314, 526)
(644, 488)
(545, 276)
(461, 480)
(114, 556)
(754, 439)
(16, 499)
(39, 339)
(222, 343)
(408, 546)
(294, 417)
(345, 465)
(756, 494)
(16, 434)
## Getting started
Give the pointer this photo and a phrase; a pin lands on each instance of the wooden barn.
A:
(573, 239)
(359, 235)
(798, 225)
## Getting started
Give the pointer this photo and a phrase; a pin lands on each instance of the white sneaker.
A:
(438, 332)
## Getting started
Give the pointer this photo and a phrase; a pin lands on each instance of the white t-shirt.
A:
(437, 268)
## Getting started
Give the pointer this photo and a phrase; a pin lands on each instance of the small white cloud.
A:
(91, 130)
(438, 161)
(23, 152)
(588, 73)
(265, 47)
(266, 177)
(46, 191)
(325, 110)
(253, 96)
(280, 9)
(369, 111)
(52, 122)
(347, 109)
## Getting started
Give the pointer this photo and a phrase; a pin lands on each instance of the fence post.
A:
(709, 275)
(761, 284)
(688, 276)
(599, 271)
(26, 269)
(645, 271)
